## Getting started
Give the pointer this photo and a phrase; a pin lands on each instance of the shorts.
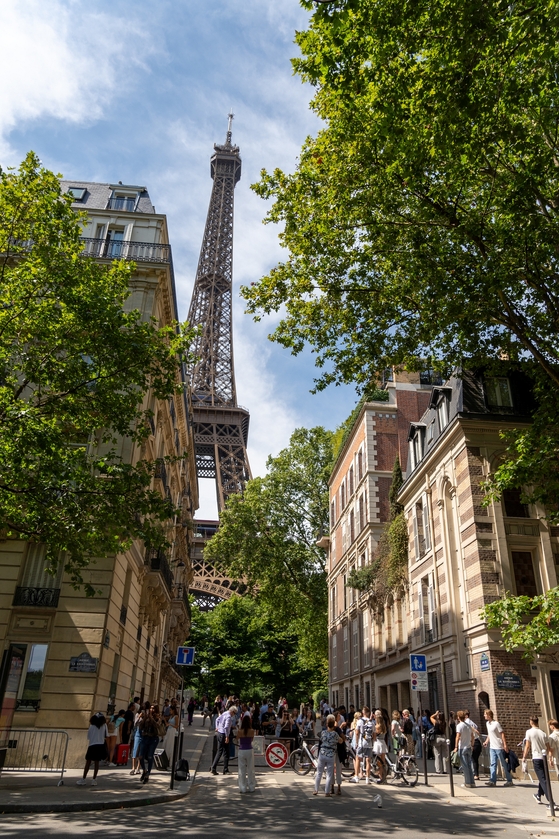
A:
(364, 751)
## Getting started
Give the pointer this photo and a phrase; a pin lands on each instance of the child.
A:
(97, 750)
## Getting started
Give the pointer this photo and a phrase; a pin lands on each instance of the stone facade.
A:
(361, 649)
(130, 632)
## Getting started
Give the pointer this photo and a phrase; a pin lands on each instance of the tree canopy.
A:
(267, 537)
(74, 370)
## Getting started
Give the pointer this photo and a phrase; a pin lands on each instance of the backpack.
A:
(182, 771)
(368, 732)
(431, 735)
(111, 727)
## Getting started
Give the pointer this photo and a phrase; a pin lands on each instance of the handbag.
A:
(455, 759)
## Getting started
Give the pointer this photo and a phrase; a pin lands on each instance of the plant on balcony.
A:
(74, 370)
(387, 573)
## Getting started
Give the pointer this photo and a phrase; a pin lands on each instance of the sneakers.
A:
(94, 783)
(354, 780)
(367, 780)
(508, 784)
(81, 782)
(536, 796)
(226, 772)
(491, 784)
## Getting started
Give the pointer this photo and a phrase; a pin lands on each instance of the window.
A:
(361, 513)
(29, 694)
(345, 592)
(366, 639)
(333, 512)
(352, 526)
(360, 464)
(346, 650)
(37, 587)
(524, 575)
(415, 442)
(351, 481)
(430, 435)
(342, 496)
(77, 192)
(334, 656)
(429, 377)
(427, 610)
(433, 688)
(497, 392)
(442, 412)
(113, 243)
(355, 645)
(513, 506)
(421, 528)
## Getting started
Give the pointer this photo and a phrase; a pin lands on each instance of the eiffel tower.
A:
(220, 424)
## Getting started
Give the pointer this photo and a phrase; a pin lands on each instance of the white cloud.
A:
(60, 60)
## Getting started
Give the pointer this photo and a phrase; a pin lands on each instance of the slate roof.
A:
(97, 195)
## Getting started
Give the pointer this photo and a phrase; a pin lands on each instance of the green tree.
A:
(422, 220)
(74, 370)
(531, 623)
(240, 649)
(267, 537)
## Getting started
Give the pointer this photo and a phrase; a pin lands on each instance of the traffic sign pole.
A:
(424, 742)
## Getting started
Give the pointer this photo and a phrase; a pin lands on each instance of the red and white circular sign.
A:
(277, 755)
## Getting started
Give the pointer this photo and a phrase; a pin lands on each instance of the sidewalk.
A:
(34, 792)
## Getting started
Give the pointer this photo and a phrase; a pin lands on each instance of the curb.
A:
(88, 806)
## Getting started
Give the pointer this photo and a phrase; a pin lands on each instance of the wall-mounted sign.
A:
(484, 662)
(107, 641)
(509, 681)
(83, 663)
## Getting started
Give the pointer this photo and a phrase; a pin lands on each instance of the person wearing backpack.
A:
(364, 736)
(437, 737)
(380, 749)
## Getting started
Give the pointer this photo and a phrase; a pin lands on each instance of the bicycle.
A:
(304, 759)
(404, 769)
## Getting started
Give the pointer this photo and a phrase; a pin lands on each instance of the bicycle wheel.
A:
(347, 767)
(392, 773)
(376, 769)
(300, 762)
(410, 772)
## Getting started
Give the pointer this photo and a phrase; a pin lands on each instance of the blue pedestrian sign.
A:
(418, 663)
(185, 655)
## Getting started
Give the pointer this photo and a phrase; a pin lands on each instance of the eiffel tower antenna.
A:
(220, 424)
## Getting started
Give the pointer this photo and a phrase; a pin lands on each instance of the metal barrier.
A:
(35, 750)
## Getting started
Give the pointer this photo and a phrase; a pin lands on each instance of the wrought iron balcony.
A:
(126, 204)
(157, 561)
(136, 251)
(43, 597)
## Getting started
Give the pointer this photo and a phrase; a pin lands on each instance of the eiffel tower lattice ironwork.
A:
(220, 424)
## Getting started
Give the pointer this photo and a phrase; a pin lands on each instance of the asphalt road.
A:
(283, 806)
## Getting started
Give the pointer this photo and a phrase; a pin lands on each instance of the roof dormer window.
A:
(77, 192)
(416, 442)
(497, 392)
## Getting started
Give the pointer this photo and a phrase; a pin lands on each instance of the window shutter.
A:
(432, 608)
(421, 618)
(426, 528)
(415, 534)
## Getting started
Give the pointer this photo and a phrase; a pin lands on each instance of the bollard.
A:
(548, 785)
(424, 741)
(450, 768)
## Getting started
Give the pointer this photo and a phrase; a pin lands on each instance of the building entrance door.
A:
(554, 678)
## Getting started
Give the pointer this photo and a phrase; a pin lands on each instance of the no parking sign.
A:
(277, 755)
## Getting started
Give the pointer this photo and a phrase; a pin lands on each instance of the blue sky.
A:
(139, 92)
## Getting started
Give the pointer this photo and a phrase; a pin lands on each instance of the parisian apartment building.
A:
(69, 655)
(463, 554)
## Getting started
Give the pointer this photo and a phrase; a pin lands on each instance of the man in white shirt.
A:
(498, 746)
(538, 741)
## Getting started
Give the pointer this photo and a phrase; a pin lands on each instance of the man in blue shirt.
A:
(223, 728)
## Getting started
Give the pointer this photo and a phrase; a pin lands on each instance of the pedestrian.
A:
(554, 740)
(171, 732)
(111, 739)
(380, 748)
(128, 724)
(341, 753)
(137, 741)
(476, 750)
(97, 750)
(326, 756)
(464, 743)
(536, 740)
(396, 732)
(223, 726)
(247, 779)
(149, 728)
(166, 713)
(190, 709)
(438, 742)
(364, 737)
(497, 743)
(205, 710)
(407, 724)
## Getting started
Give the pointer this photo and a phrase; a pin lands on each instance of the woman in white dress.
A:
(172, 731)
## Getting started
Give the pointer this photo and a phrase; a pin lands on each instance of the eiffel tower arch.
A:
(220, 424)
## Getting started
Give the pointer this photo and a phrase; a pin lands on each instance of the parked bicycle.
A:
(403, 769)
(304, 759)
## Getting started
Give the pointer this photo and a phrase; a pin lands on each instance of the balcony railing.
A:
(157, 561)
(126, 204)
(43, 597)
(136, 251)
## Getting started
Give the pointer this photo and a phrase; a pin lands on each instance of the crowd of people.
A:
(367, 736)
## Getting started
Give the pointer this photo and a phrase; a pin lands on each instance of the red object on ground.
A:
(122, 753)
